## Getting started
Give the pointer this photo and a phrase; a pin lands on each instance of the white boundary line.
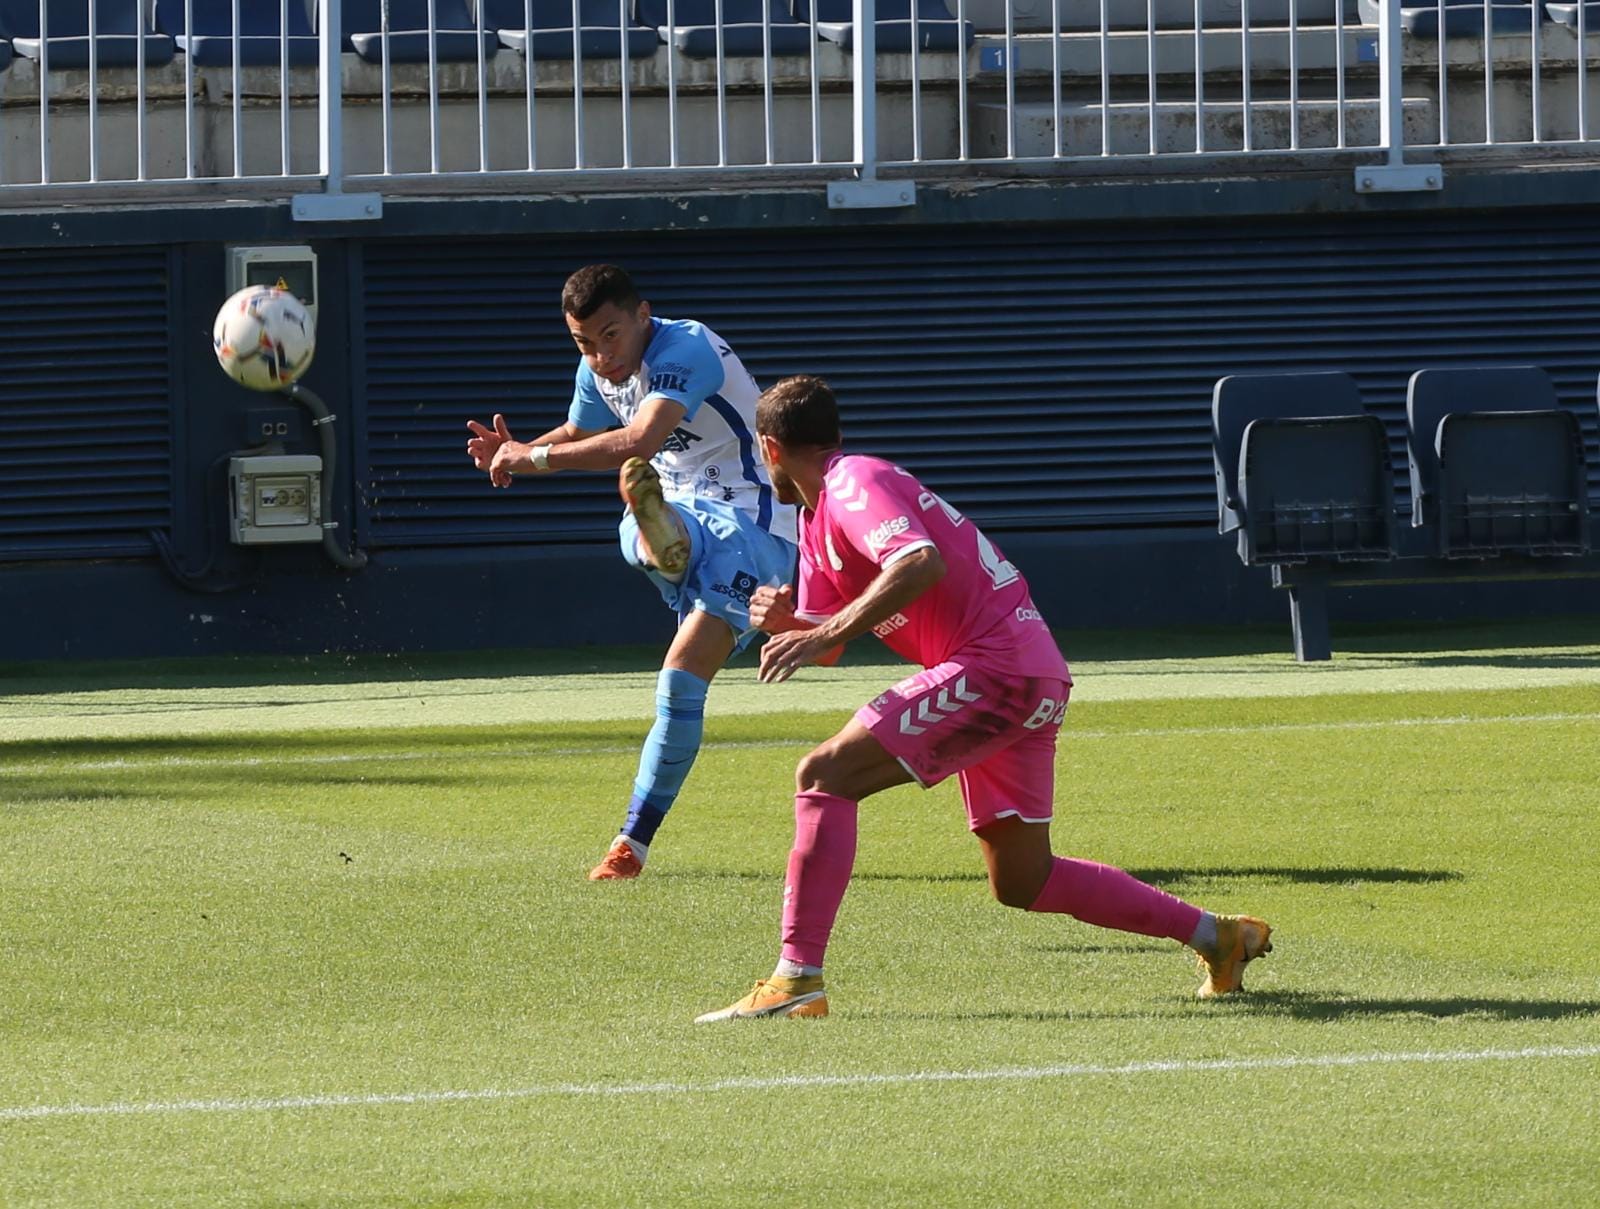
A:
(751, 1083)
(1068, 736)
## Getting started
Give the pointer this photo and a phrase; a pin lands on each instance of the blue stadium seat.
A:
(1567, 14)
(695, 33)
(455, 33)
(119, 25)
(210, 43)
(5, 54)
(1497, 465)
(600, 30)
(936, 28)
(1462, 18)
(1302, 470)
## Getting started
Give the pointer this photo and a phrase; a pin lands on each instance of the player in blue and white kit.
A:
(667, 402)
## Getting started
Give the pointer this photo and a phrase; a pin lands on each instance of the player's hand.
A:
(772, 609)
(513, 457)
(485, 444)
(786, 653)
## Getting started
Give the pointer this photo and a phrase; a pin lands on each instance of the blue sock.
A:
(669, 751)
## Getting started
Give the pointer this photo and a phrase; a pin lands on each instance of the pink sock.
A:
(1110, 898)
(819, 870)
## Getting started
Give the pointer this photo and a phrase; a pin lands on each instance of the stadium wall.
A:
(1042, 353)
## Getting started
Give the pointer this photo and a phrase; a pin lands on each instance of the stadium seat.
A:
(1567, 14)
(210, 44)
(935, 27)
(743, 33)
(1462, 18)
(455, 32)
(119, 26)
(5, 54)
(1302, 470)
(1497, 466)
(542, 29)
(1316, 488)
(1037, 16)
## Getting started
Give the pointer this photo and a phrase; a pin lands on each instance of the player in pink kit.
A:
(880, 552)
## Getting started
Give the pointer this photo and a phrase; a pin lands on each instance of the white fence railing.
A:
(869, 94)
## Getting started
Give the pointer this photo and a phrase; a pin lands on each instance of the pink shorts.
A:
(997, 731)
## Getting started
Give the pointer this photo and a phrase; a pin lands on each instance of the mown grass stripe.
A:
(1070, 735)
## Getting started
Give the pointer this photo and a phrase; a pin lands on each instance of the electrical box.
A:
(275, 498)
(295, 265)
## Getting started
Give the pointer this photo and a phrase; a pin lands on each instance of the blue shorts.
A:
(730, 556)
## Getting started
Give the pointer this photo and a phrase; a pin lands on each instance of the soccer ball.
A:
(264, 337)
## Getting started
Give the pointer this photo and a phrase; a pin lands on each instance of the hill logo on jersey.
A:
(672, 379)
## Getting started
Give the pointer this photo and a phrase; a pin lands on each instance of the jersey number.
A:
(997, 568)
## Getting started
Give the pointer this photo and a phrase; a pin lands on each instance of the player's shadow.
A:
(27, 792)
(1330, 875)
(1330, 1006)
(1316, 875)
(1500, 660)
(769, 875)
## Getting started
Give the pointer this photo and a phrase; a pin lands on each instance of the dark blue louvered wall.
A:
(1041, 378)
(86, 402)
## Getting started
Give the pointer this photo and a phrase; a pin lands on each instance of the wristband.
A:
(539, 455)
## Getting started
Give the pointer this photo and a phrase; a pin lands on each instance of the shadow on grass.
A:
(33, 793)
(1323, 1005)
(1162, 948)
(1334, 875)
(1409, 642)
(369, 743)
(1298, 1005)
(1331, 875)
(1500, 660)
(22, 679)
(776, 874)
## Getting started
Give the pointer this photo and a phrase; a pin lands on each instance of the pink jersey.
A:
(871, 513)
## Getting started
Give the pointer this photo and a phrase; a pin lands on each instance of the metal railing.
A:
(988, 87)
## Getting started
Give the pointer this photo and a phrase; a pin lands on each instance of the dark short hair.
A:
(799, 412)
(592, 286)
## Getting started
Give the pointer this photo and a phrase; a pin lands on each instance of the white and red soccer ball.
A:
(264, 337)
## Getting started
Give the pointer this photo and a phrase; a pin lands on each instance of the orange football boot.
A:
(620, 863)
(1240, 940)
(794, 997)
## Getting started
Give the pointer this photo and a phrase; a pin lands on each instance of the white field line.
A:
(1068, 735)
(755, 1083)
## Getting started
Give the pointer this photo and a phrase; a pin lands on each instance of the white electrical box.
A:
(275, 498)
(294, 265)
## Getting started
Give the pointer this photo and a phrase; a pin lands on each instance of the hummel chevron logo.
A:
(849, 492)
(931, 712)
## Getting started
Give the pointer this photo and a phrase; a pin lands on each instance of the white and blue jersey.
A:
(711, 454)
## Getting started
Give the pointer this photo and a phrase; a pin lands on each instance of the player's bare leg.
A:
(701, 646)
(1025, 873)
(829, 783)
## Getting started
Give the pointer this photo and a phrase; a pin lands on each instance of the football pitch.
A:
(307, 932)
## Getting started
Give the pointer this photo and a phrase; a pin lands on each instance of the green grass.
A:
(238, 882)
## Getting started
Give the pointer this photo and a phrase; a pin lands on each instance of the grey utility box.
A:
(275, 498)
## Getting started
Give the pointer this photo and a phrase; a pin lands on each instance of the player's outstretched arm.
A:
(642, 438)
(896, 586)
(491, 445)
